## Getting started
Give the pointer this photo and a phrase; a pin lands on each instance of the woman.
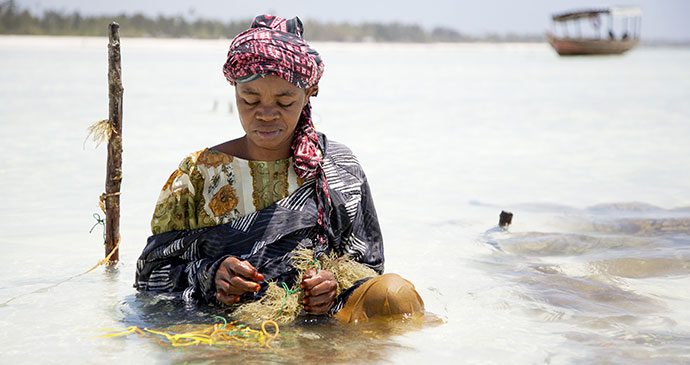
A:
(230, 217)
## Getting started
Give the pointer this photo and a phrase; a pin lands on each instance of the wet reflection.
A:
(319, 342)
(606, 273)
(310, 339)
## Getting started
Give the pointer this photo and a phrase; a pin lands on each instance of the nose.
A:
(267, 113)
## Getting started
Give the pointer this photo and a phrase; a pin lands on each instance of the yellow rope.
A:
(102, 199)
(274, 335)
(227, 334)
(105, 260)
(104, 196)
(100, 131)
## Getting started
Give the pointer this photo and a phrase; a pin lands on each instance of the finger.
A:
(310, 279)
(307, 275)
(246, 270)
(319, 309)
(310, 283)
(322, 288)
(320, 299)
(224, 271)
(239, 285)
(227, 299)
(310, 273)
(222, 286)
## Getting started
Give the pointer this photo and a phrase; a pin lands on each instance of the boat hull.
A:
(578, 46)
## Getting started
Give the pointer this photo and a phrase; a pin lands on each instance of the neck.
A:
(242, 148)
(256, 153)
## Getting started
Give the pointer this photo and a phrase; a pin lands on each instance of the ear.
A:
(312, 91)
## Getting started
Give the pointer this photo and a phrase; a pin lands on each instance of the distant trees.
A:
(393, 32)
(17, 21)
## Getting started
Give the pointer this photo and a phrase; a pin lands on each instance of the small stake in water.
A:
(505, 219)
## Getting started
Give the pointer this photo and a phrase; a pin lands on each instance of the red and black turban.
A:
(273, 46)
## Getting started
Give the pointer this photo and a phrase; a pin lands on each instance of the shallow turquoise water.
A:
(591, 155)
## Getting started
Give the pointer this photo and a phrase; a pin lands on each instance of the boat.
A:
(581, 32)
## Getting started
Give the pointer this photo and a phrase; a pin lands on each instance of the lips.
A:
(267, 134)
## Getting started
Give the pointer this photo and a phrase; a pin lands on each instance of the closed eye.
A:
(285, 105)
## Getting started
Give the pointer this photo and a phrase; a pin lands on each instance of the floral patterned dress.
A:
(210, 187)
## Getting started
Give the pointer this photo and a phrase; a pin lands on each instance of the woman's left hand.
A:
(319, 291)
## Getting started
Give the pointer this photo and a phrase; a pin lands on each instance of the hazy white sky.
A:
(662, 19)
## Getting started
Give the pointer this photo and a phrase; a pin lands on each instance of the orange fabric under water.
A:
(382, 295)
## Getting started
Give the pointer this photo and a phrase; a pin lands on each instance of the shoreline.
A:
(86, 40)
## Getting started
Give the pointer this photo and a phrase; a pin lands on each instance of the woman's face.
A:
(269, 109)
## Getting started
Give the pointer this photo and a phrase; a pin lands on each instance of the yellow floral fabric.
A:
(211, 187)
(269, 182)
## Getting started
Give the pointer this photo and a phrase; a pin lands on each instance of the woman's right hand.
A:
(234, 278)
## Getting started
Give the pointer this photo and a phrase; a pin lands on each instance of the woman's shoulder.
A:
(333, 148)
(341, 157)
(207, 158)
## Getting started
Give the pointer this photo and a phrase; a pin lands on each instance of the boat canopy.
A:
(626, 12)
(588, 13)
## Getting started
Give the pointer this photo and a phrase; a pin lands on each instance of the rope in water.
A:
(289, 292)
(225, 334)
(100, 221)
(100, 130)
(101, 262)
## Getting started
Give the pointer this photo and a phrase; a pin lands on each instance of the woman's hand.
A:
(234, 278)
(319, 291)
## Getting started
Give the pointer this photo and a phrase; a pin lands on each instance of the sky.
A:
(662, 19)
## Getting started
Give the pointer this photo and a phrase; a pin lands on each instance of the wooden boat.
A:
(590, 40)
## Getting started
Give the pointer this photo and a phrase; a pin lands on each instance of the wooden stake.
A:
(113, 176)
(505, 219)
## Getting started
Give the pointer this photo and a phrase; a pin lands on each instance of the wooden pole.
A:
(113, 176)
(505, 219)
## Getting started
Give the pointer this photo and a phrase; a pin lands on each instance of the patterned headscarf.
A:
(275, 46)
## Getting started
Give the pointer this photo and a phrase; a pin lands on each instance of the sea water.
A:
(591, 154)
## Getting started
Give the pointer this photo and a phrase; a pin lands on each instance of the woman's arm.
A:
(170, 260)
(170, 263)
(366, 230)
(179, 200)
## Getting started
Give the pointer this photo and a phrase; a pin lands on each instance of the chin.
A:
(273, 141)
